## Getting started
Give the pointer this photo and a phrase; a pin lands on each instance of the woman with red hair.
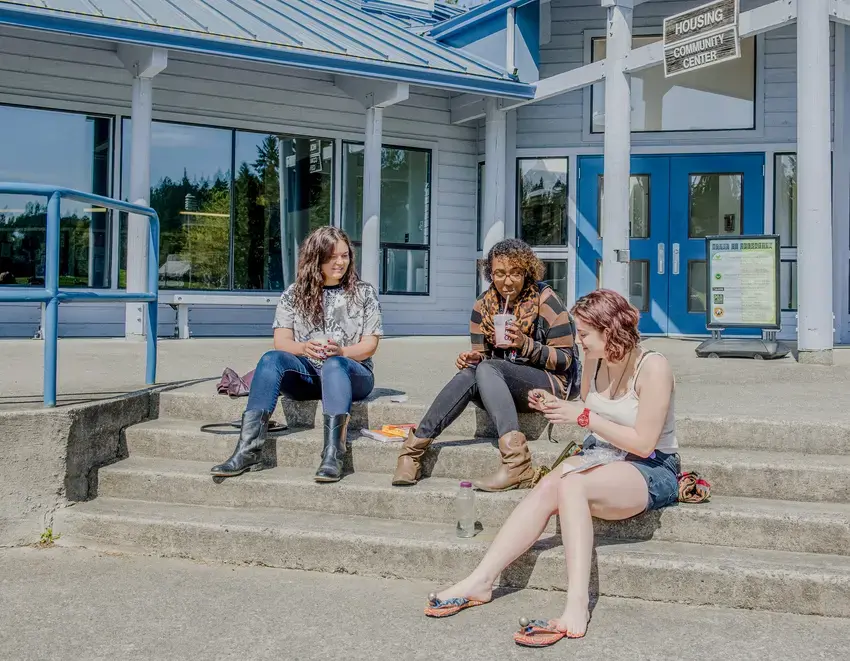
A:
(628, 464)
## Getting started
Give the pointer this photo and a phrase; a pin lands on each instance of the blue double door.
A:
(675, 202)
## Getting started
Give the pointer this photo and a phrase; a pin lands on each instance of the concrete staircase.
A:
(776, 535)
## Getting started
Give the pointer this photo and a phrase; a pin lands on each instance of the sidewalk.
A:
(420, 366)
(82, 605)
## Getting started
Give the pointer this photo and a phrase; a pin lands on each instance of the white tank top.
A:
(624, 410)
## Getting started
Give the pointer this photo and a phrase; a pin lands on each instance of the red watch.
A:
(583, 419)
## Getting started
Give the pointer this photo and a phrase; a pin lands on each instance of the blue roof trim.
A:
(318, 60)
(473, 17)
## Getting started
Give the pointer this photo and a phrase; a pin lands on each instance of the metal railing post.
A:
(51, 294)
(51, 316)
(153, 310)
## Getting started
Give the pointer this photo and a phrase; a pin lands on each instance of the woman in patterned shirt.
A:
(540, 353)
(326, 330)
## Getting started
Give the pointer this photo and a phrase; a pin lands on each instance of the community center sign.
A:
(701, 37)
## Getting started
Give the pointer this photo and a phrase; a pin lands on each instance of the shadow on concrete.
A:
(66, 400)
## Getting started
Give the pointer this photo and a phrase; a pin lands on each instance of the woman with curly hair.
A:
(497, 373)
(326, 330)
(628, 464)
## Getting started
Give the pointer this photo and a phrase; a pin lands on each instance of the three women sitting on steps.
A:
(326, 330)
(539, 353)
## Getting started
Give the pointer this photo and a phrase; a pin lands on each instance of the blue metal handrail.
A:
(52, 295)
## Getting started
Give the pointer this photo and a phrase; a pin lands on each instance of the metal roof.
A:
(473, 17)
(329, 35)
(414, 18)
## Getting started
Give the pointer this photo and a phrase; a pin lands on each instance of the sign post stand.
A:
(742, 273)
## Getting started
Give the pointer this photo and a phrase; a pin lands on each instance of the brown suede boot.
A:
(516, 471)
(409, 469)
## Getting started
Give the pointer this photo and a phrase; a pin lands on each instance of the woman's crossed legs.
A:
(612, 492)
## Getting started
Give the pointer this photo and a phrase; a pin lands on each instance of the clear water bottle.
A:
(465, 508)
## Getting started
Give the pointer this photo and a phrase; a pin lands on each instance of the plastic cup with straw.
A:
(500, 324)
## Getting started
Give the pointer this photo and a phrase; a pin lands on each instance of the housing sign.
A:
(743, 282)
(700, 37)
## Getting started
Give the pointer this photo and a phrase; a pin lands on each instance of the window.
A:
(64, 149)
(639, 206)
(191, 192)
(785, 224)
(639, 284)
(788, 285)
(715, 205)
(306, 198)
(697, 286)
(785, 199)
(405, 215)
(219, 195)
(543, 201)
(557, 277)
(720, 97)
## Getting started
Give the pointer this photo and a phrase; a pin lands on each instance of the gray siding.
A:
(558, 122)
(52, 71)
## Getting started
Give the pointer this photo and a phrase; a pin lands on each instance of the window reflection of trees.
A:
(82, 162)
(199, 212)
(22, 235)
(195, 239)
(543, 201)
(306, 198)
(257, 218)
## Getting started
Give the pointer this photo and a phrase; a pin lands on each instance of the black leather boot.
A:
(247, 455)
(336, 433)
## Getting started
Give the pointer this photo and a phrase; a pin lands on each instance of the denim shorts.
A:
(660, 470)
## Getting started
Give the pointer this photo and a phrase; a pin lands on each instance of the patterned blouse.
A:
(348, 318)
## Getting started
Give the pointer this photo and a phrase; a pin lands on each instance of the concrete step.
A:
(732, 472)
(741, 522)
(792, 435)
(658, 571)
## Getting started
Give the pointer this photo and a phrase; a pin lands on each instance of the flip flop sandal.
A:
(537, 633)
(438, 608)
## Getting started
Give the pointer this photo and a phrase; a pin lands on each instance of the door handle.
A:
(662, 260)
(675, 259)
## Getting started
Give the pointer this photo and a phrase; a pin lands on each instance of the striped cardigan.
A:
(551, 346)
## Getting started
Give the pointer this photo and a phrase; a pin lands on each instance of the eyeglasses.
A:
(513, 275)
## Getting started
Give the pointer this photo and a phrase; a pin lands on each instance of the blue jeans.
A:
(340, 382)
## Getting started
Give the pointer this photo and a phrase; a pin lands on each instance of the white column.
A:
(144, 64)
(140, 190)
(841, 184)
(617, 150)
(374, 96)
(814, 234)
(495, 167)
(371, 238)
